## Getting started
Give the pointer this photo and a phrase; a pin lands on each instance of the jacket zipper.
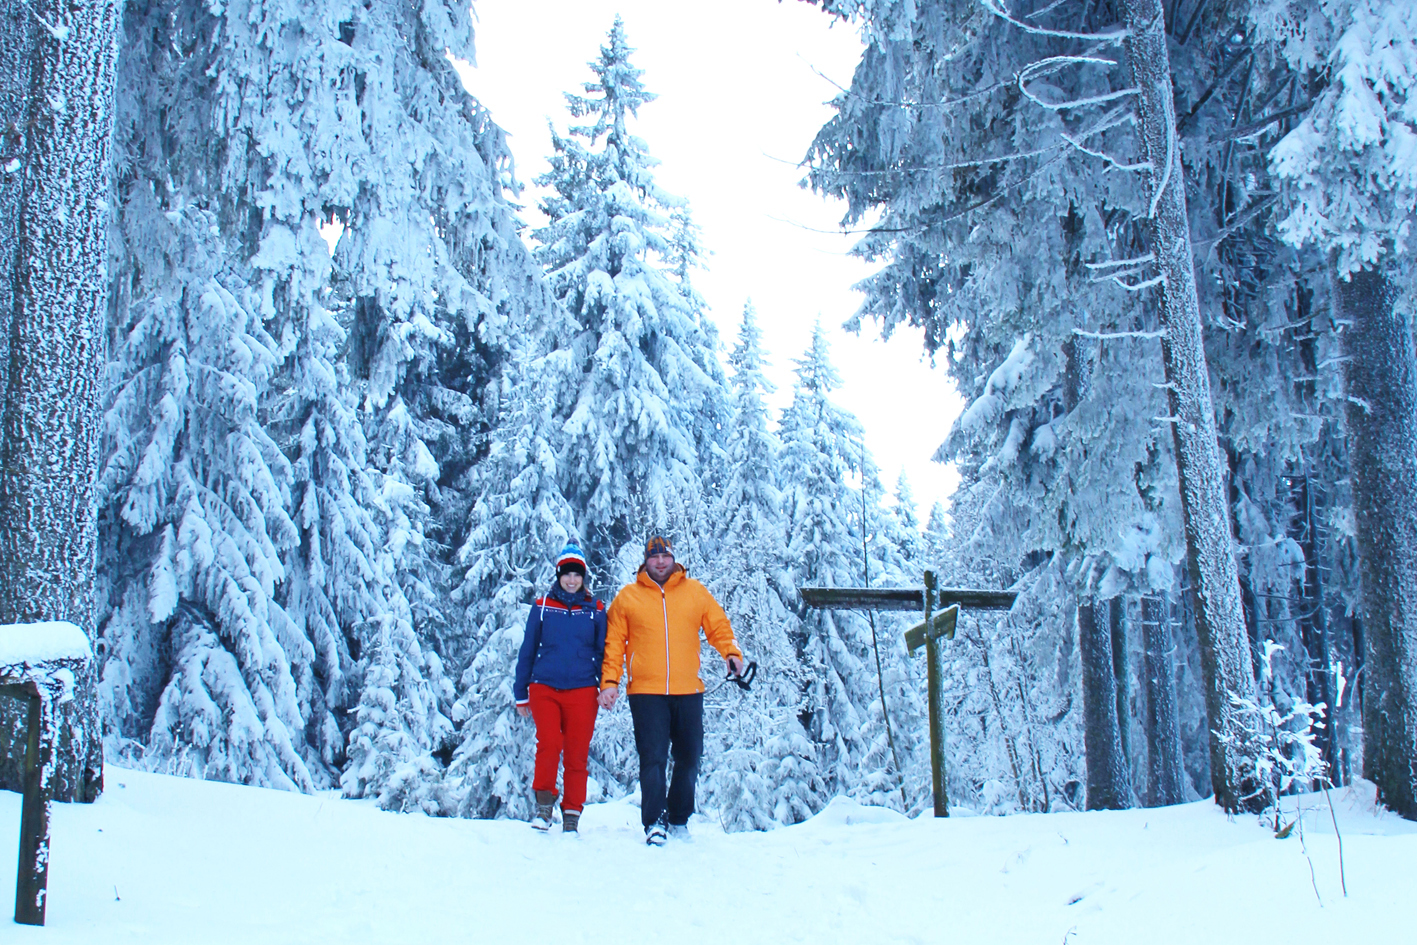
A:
(664, 602)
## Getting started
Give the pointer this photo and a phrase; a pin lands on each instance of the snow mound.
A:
(845, 812)
(36, 642)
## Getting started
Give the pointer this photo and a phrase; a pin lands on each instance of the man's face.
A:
(659, 566)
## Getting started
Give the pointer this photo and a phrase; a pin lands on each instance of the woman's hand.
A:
(524, 711)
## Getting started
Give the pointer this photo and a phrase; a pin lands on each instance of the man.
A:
(653, 624)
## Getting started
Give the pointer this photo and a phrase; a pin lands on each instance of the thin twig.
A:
(1342, 876)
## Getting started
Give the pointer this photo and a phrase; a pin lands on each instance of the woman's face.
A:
(571, 582)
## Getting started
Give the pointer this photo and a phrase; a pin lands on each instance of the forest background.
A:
(329, 482)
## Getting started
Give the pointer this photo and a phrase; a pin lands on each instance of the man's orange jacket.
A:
(653, 635)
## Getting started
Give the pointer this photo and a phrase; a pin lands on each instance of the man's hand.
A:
(736, 665)
(607, 698)
(524, 711)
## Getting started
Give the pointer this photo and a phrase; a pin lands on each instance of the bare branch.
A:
(1077, 143)
(1139, 286)
(996, 7)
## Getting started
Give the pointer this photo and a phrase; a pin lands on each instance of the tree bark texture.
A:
(1210, 546)
(1381, 415)
(1121, 673)
(1109, 785)
(49, 436)
(1165, 772)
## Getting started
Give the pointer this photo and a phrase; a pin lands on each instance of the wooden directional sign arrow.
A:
(941, 625)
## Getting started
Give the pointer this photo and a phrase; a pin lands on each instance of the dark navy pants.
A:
(665, 727)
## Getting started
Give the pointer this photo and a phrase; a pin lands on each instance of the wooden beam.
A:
(904, 598)
(864, 598)
(974, 598)
(32, 876)
(941, 625)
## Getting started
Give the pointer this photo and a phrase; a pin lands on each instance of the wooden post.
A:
(934, 674)
(32, 875)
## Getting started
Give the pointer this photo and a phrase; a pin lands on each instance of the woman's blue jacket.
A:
(564, 643)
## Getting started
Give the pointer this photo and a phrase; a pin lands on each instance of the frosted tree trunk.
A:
(1117, 624)
(1381, 415)
(58, 290)
(1165, 774)
(1108, 782)
(1220, 623)
(16, 55)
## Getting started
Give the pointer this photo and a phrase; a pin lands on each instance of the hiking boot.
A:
(571, 822)
(545, 811)
(656, 834)
(680, 832)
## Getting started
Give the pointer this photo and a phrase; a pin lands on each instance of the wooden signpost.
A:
(927, 633)
(39, 664)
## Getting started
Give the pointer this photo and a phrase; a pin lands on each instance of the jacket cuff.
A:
(609, 684)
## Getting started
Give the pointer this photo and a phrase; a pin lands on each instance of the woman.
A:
(558, 679)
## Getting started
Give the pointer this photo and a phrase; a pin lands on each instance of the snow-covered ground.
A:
(164, 860)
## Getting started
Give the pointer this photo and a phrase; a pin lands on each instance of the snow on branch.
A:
(1092, 152)
(1138, 286)
(997, 8)
(1114, 263)
(1109, 335)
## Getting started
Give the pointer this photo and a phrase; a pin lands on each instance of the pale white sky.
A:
(740, 99)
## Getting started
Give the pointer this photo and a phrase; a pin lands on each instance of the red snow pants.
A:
(565, 720)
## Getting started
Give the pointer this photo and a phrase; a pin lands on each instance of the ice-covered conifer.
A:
(618, 250)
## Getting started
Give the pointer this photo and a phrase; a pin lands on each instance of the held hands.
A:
(607, 698)
(524, 711)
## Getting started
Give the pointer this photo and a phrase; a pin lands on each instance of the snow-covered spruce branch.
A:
(961, 165)
(1110, 335)
(996, 7)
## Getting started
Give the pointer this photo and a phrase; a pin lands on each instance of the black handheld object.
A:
(745, 678)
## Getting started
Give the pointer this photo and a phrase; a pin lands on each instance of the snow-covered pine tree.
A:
(205, 673)
(57, 178)
(618, 248)
(441, 285)
(519, 521)
(752, 580)
(220, 434)
(821, 452)
(1349, 186)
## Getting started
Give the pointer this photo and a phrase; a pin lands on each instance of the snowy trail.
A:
(212, 863)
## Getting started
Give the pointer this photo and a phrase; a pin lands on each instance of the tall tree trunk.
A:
(1381, 379)
(1109, 785)
(1165, 772)
(49, 436)
(1220, 623)
(1121, 674)
(1313, 627)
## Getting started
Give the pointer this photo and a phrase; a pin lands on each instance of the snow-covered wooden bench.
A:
(39, 662)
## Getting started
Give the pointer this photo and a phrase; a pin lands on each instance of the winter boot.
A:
(680, 832)
(571, 822)
(656, 833)
(545, 810)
